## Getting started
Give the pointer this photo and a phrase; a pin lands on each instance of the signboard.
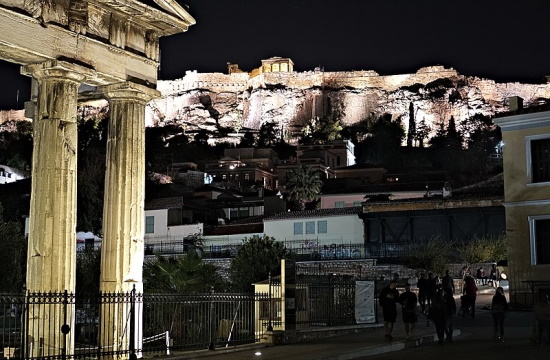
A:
(365, 311)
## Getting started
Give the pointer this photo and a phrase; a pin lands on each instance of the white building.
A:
(324, 227)
(167, 224)
(9, 174)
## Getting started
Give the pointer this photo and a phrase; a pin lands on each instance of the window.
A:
(357, 203)
(538, 158)
(339, 204)
(149, 224)
(310, 227)
(175, 217)
(540, 239)
(247, 176)
(298, 228)
(322, 227)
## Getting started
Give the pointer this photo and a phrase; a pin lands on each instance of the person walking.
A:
(388, 300)
(480, 275)
(494, 275)
(422, 285)
(448, 282)
(470, 294)
(451, 312)
(409, 302)
(499, 306)
(431, 285)
(438, 314)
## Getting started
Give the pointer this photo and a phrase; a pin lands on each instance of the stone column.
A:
(122, 249)
(51, 257)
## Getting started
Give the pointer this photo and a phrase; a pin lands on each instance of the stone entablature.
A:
(92, 33)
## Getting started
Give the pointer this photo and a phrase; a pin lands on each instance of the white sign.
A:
(364, 302)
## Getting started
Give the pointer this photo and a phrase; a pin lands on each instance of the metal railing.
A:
(63, 326)
(303, 250)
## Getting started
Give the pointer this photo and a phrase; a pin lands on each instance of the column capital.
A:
(129, 91)
(59, 69)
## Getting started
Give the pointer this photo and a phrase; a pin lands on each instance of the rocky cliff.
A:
(290, 99)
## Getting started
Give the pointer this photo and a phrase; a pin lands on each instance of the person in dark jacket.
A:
(408, 301)
(494, 275)
(422, 284)
(448, 282)
(499, 306)
(431, 285)
(451, 312)
(470, 294)
(388, 300)
(438, 314)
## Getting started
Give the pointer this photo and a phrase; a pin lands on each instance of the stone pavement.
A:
(359, 345)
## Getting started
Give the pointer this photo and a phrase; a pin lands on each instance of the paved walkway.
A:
(355, 346)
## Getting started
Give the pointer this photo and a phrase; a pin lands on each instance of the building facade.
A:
(526, 159)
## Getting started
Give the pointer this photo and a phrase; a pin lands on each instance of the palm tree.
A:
(303, 185)
(181, 275)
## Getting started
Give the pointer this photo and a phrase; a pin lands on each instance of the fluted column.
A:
(122, 249)
(51, 257)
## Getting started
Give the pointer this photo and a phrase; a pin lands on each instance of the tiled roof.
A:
(438, 199)
(315, 213)
(387, 188)
(234, 229)
(248, 220)
(164, 203)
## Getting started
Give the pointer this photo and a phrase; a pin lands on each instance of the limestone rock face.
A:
(235, 101)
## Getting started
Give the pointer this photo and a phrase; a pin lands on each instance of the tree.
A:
(481, 144)
(248, 140)
(88, 266)
(482, 249)
(267, 135)
(321, 130)
(181, 275)
(201, 137)
(13, 256)
(383, 146)
(256, 259)
(473, 251)
(303, 185)
(411, 134)
(91, 174)
(16, 146)
(422, 132)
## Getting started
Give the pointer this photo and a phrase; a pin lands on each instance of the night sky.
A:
(503, 40)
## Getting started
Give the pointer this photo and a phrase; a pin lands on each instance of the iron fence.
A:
(302, 250)
(325, 301)
(63, 326)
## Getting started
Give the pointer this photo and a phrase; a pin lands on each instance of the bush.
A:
(432, 256)
(482, 249)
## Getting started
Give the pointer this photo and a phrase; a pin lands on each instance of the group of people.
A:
(493, 279)
(437, 303)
